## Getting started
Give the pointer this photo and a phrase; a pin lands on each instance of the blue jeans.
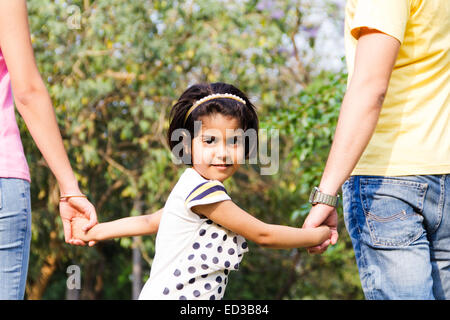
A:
(400, 230)
(15, 237)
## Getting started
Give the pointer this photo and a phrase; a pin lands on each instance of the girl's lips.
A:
(221, 166)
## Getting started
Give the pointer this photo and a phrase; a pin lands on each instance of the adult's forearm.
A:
(37, 111)
(358, 118)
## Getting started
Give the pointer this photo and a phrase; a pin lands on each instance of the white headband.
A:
(211, 97)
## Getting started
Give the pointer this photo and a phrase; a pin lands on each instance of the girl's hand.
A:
(78, 230)
(323, 233)
(322, 214)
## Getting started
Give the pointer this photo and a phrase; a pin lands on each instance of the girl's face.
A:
(218, 149)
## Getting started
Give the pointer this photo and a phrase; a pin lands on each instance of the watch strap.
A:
(319, 197)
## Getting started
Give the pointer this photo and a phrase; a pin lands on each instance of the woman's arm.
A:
(34, 105)
(125, 227)
(31, 96)
(230, 216)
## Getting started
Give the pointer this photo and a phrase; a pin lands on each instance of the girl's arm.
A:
(230, 216)
(34, 105)
(125, 227)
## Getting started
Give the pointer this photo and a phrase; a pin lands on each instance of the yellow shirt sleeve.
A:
(387, 16)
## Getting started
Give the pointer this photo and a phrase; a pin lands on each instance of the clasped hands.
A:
(72, 208)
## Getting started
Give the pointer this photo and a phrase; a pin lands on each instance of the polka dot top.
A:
(193, 255)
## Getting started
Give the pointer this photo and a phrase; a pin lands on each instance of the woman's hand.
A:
(76, 207)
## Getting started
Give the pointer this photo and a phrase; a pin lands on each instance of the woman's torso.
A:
(13, 163)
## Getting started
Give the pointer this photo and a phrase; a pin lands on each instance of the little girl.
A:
(201, 231)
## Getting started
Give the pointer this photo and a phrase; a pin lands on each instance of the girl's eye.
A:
(209, 140)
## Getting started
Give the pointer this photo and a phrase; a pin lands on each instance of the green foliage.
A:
(113, 82)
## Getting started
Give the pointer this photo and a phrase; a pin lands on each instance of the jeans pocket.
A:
(393, 207)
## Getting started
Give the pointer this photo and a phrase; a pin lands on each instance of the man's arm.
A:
(375, 57)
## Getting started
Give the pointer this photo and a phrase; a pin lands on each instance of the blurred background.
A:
(115, 68)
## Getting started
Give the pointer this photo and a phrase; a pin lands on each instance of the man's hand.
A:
(322, 214)
(73, 208)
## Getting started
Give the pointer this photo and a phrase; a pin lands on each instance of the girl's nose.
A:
(222, 152)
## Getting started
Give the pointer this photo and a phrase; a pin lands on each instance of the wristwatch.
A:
(317, 196)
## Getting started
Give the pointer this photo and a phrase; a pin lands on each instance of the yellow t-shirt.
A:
(412, 136)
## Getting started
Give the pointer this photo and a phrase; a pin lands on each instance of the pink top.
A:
(13, 163)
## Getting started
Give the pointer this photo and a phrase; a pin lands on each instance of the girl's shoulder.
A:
(191, 180)
(200, 190)
(192, 190)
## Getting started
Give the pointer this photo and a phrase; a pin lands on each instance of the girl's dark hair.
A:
(245, 113)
